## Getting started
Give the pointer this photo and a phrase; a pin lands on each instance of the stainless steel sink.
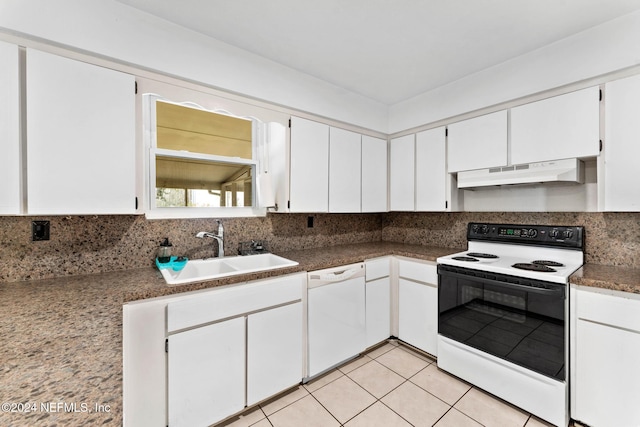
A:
(215, 268)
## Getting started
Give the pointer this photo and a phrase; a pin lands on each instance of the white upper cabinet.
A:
(431, 174)
(561, 127)
(344, 170)
(80, 137)
(374, 174)
(309, 174)
(478, 143)
(9, 130)
(622, 145)
(402, 174)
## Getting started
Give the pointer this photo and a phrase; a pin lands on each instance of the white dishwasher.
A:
(336, 316)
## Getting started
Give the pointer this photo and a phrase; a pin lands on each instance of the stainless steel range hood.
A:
(566, 170)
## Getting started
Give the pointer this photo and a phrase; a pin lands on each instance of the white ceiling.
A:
(388, 50)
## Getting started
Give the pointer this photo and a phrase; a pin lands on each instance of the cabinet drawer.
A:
(419, 271)
(377, 268)
(615, 310)
(233, 301)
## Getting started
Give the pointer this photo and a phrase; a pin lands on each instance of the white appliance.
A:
(336, 316)
(566, 170)
(503, 307)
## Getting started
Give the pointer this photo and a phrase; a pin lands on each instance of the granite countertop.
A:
(62, 338)
(61, 356)
(308, 260)
(608, 277)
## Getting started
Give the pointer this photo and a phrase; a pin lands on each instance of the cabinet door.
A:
(378, 302)
(402, 174)
(431, 170)
(418, 315)
(274, 351)
(622, 145)
(9, 130)
(557, 128)
(345, 160)
(309, 178)
(478, 143)
(605, 347)
(608, 377)
(80, 137)
(206, 373)
(374, 174)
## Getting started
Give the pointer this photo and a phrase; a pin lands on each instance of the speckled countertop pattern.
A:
(608, 277)
(62, 338)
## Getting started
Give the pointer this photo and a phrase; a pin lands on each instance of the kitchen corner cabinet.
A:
(622, 145)
(431, 173)
(478, 143)
(374, 174)
(345, 160)
(10, 202)
(197, 358)
(402, 173)
(560, 127)
(418, 304)
(378, 300)
(309, 166)
(605, 344)
(80, 126)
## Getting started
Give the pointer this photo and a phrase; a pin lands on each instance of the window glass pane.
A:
(199, 131)
(180, 197)
(202, 183)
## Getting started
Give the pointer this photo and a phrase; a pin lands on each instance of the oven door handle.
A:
(544, 291)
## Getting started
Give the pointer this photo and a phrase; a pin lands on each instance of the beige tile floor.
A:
(390, 386)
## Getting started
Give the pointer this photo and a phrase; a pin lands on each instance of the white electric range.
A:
(503, 313)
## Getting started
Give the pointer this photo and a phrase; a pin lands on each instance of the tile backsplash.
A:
(94, 244)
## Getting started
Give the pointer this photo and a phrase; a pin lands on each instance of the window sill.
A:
(228, 212)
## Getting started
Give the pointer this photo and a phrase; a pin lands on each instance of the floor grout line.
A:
(379, 399)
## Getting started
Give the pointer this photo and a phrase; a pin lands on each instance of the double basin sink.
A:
(215, 268)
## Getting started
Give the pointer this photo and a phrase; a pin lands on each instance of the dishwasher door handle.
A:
(336, 276)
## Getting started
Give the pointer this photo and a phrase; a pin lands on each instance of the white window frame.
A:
(151, 151)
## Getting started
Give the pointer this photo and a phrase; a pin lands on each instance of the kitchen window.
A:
(203, 163)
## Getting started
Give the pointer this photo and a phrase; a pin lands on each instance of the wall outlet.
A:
(39, 230)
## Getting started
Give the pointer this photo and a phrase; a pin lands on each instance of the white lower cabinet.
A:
(605, 344)
(206, 373)
(198, 358)
(418, 304)
(378, 300)
(274, 351)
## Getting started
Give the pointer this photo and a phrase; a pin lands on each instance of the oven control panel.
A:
(543, 235)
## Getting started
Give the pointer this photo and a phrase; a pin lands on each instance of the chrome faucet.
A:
(219, 237)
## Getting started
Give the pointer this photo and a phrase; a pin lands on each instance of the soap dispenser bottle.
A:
(164, 251)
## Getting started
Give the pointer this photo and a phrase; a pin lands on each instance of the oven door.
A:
(516, 319)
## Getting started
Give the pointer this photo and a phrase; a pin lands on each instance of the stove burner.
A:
(548, 263)
(464, 258)
(481, 255)
(533, 267)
